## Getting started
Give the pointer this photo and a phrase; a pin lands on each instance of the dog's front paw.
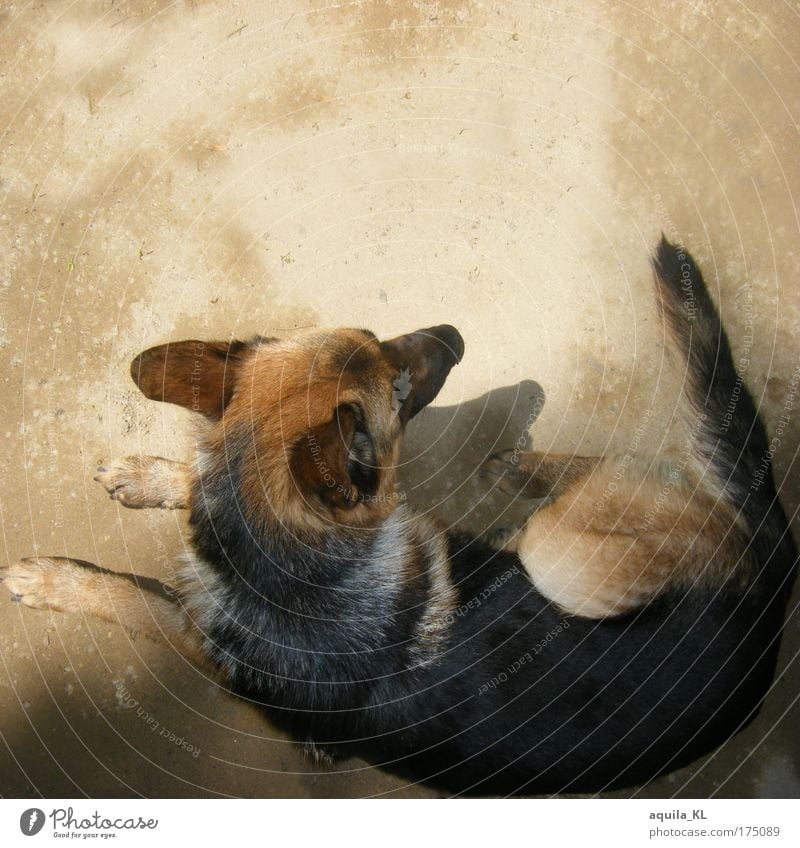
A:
(140, 482)
(44, 583)
(124, 480)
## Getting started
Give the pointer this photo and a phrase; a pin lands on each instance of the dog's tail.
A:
(727, 438)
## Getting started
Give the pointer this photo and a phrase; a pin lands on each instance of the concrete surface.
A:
(196, 169)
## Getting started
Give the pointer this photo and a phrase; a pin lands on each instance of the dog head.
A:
(313, 423)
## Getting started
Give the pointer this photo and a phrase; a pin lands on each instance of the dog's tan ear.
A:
(335, 463)
(200, 376)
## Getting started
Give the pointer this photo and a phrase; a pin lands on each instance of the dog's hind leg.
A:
(531, 474)
(147, 481)
(69, 585)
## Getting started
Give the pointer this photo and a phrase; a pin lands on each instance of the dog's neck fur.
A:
(361, 578)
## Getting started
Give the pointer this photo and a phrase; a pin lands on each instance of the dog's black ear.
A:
(335, 463)
(200, 376)
(423, 360)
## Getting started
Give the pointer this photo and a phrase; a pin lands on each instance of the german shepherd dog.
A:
(634, 628)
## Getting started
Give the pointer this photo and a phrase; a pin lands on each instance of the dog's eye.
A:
(361, 458)
(361, 448)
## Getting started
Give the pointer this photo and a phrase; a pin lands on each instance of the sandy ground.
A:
(197, 169)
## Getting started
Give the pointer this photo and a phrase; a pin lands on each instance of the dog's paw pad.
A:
(38, 582)
(123, 479)
(139, 482)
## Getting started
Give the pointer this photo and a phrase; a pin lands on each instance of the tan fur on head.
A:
(312, 422)
(292, 415)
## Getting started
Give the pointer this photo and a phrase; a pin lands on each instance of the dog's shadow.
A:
(445, 448)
